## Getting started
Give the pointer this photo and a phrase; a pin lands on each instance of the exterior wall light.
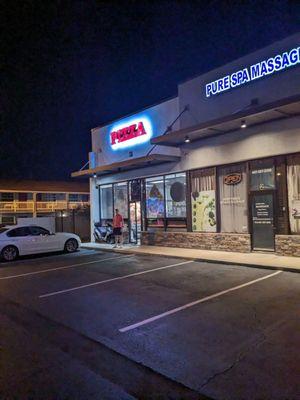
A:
(187, 139)
(243, 124)
(95, 176)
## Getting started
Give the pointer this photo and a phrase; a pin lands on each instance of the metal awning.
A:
(139, 162)
(254, 115)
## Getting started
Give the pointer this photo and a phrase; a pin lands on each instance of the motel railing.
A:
(10, 207)
(16, 206)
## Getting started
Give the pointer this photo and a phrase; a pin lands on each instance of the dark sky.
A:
(68, 66)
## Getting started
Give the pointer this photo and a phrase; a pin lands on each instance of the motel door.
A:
(262, 206)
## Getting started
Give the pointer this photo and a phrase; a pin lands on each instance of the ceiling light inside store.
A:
(187, 139)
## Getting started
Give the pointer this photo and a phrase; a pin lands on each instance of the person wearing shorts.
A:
(118, 224)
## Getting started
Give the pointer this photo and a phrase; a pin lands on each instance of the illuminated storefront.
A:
(216, 167)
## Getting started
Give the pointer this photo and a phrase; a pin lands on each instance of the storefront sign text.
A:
(131, 133)
(233, 179)
(255, 71)
(127, 133)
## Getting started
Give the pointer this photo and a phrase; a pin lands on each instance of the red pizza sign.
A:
(127, 133)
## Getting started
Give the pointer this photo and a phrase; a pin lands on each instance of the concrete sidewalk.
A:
(259, 260)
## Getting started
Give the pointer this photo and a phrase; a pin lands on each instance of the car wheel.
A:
(9, 253)
(71, 245)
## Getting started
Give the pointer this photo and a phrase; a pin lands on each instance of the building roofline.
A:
(20, 185)
(135, 112)
(217, 66)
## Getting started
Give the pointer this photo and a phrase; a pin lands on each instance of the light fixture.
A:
(243, 124)
(95, 176)
(187, 139)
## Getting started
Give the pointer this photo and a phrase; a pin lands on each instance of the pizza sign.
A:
(129, 134)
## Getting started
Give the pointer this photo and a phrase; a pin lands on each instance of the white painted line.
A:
(65, 267)
(114, 279)
(175, 310)
(49, 256)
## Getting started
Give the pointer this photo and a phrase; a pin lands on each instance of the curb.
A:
(207, 260)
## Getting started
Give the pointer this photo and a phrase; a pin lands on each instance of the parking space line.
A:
(65, 267)
(113, 279)
(48, 256)
(193, 303)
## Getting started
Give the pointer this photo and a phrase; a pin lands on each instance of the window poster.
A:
(154, 200)
(204, 211)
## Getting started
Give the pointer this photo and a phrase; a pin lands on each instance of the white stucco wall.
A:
(280, 137)
(270, 139)
(159, 116)
(94, 210)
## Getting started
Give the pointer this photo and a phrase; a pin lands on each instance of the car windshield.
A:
(2, 230)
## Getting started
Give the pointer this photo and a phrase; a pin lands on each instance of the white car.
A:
(20, 240)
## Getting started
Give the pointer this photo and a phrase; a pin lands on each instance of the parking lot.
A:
(106, 325)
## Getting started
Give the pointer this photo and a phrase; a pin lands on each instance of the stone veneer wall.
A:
(196, 240)
(287, 245)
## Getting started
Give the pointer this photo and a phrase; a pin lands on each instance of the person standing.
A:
(118, 224)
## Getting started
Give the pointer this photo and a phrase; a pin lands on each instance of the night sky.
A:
(68, 66)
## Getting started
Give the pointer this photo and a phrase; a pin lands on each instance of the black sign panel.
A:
(262, 222)
(135, 192)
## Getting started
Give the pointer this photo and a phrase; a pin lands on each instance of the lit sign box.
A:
(130, 133)
(255, 71)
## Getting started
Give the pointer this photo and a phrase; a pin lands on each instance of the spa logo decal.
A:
(263, 68)
(233, 179)
(130, 133)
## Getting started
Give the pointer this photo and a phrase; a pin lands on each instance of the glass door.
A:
(262, 222)
(135, 222)
(135, 216)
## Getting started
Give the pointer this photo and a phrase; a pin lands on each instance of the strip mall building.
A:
(217, 167)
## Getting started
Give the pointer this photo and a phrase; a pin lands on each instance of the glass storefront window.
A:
(155, 200)
(233, 198)
(203, 185)
(106, 202)
(262, 175)
(175, 187)
(293, 180)
(121, 198)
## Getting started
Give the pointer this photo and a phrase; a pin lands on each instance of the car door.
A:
(44, 240)
(22, 239)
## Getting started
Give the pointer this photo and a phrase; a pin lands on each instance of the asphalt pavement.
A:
(99, 325)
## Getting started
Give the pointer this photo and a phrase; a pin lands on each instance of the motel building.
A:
(217, 167)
